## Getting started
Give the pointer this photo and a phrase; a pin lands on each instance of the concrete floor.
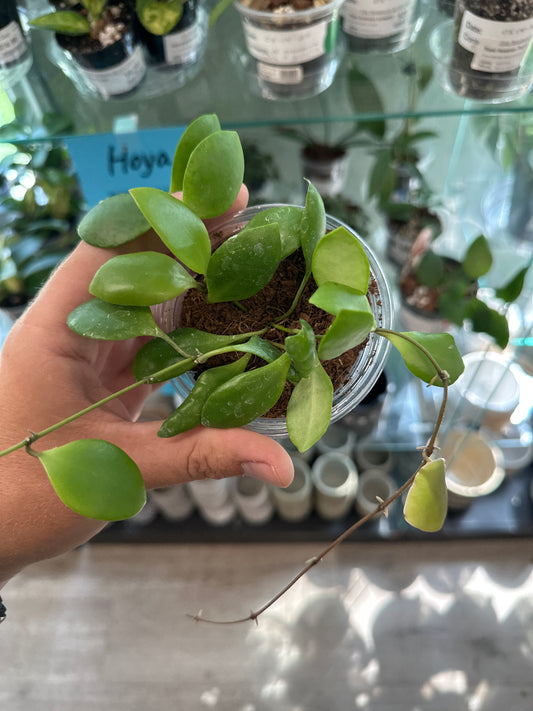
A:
(388, 627)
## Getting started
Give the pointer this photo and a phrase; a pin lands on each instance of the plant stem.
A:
(294, 304)
(165, 337)
(382, 506)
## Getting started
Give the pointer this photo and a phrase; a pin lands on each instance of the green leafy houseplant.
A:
(438, 285)
(207, 170)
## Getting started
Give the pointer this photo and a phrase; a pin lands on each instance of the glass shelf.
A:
(218, 87)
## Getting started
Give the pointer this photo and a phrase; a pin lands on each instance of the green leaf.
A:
(94, 7)
(339, 257)
(426, 504)
(430, 270)
(487, 320)
(110, 322)
(67, 22)
(141, 279)
(512, 290)
(335, 298)
(95, 479)
(259, 347)
(159, 16)
(113, 222)
(214, 173)
(188, 414)
(158, 355)
(312, 223)
(309, 408)
(246, 396)
(478, 258)
(302, 349)
(382, 177)
(180, 229)
(243, 264)
(195, 132)
(288, 218)
(441, 346)
(365, 99)
(349, 329)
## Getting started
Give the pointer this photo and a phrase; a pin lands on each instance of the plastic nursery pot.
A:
(336, 481)
(327, 170)
(105, 69)
(474, 466)
(487, 393)
(292, 53)
(370, 361)
(295, 502)
(184, 46)
(485, 50)
(15, 54)
(381, 25)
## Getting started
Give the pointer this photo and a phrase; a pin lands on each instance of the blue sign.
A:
(112, 163)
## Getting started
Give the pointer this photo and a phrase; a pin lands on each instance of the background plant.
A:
(208, 169)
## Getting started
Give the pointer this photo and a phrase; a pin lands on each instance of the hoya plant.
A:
(207, 173)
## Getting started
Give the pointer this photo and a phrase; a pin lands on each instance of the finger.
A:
(201, 453)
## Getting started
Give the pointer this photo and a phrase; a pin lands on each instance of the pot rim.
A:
(300, 16)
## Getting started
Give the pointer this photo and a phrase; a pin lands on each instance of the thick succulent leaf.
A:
(383, 177)
(157, 16)
(487, 320)
(194, 133)
(66, 22)
(312, 223)
(188, 414)
(349, 329)
(259, 347)
(441, 346)
(426, 504)
(111, 322)
(302, 349)
(478, 258)
(335, 298)
(141, 279)
(309, 408)
(339, 257)
(112, 222)
(243, 264)
(511, 291)
(214, 174)
(180, 229)
(246, 396)
(157, 355)
(430, 270)
(95, 479)
(365, 100)
(288, 218)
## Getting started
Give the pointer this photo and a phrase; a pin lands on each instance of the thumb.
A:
(201, 453)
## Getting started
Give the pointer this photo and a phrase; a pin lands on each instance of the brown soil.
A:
(272, 302)
(110, 28)
(281, 5)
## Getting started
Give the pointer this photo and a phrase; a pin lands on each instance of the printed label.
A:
(496, 46)
(12, 43)
(180, 47)
(286, 47)
(280, 75)
(121, 78)
(375, 19)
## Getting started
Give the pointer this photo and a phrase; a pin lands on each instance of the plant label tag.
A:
(108, 164)
(288, 47)
(182, 47)
(376, 19)
(496, 46)
(280, 75)
(12, 43)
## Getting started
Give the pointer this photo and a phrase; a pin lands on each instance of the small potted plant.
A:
(438, 290)
(173, 32)
(490, 45)
(99, 44)
(284, 356)
(292, 48)
(41, 206)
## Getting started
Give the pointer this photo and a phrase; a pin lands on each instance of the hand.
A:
(47, 373)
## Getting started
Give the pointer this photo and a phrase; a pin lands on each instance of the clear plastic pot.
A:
(366, 369)
(290, 54)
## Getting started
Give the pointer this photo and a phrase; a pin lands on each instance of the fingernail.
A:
(260, 470)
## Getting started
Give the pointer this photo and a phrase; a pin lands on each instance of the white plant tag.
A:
(496, 46)
(376, 19)
(121, 78)
(287, 47)
(12, 43)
